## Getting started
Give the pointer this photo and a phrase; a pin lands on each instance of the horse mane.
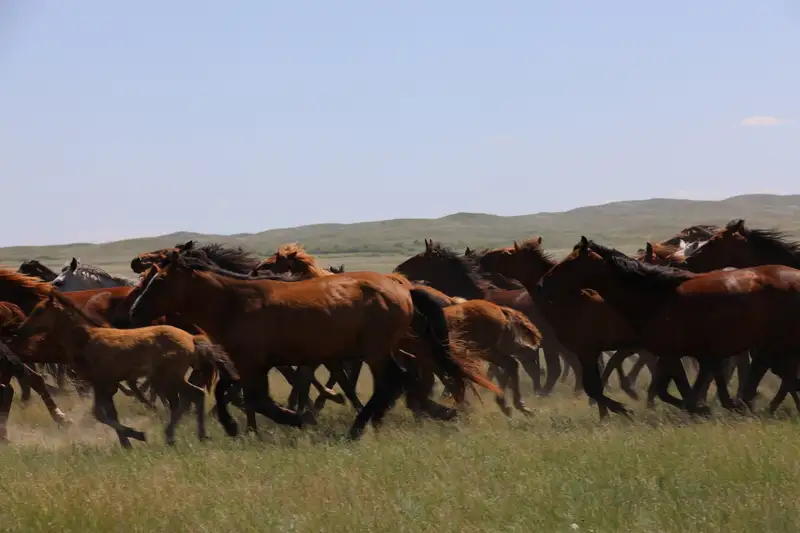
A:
(28, 283)
(97, 272)
(769, 240)
(534, 245)
(692, 233)
(465, 264)
(35, 264)
(299, 254)
(196, 260)
(633, 270)
(232, 258)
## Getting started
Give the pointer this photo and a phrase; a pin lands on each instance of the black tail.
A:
(430, 324)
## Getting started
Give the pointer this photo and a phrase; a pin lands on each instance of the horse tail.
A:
(430, 324)
(213, 355)
(522, 329)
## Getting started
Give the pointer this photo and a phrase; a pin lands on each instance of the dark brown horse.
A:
(706, 316)
(36, 269)
(584, 322)
(458, 275)
(263, 323)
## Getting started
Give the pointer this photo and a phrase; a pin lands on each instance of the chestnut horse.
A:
(106, 356)
(235, 259)
(496, 332)
(263, 323)
(709, 316)
(458, 275)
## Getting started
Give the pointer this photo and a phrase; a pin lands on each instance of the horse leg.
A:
(221, 398)
(742, 370)
(25, 388)
(260, 401)
(667, 369)
(701, 384)
(137, 393)
(6, 399)
(38, 384)
(552, 359)
(593, 385)
(615, 364)
(418, 391)
(106, 413)
(722, 375)
(512, 370)
(758, 368)
(529, 358)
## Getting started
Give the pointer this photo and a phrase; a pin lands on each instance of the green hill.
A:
(626, 225)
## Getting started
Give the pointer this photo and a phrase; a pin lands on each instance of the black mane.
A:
(632, 269)
(231, 258)
(770, 241)
(198, 260)
(464, 264)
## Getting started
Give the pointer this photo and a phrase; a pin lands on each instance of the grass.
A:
(559, 470)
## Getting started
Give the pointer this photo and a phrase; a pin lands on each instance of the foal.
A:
(106, 356)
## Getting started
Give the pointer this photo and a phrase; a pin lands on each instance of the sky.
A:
(125, 119)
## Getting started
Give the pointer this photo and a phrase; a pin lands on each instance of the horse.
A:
(580, 317)
(75, 276)
(495, 331)
(36, 269)
(235, 259)
(10, 364)
(709, 316)
(106, 356)
(263, 322)
(336, 270)
(738, 246)
(457, 275)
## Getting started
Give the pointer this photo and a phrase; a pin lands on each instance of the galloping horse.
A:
(107, 356)
(36, 269)
(75, 276)
(263, 323)
(458, 275)
(497, 332)
(706, 316)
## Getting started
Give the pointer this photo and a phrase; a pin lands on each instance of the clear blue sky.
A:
(122, 119)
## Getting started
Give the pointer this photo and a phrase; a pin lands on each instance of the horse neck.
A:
(208, 298)
(70, 333)
(24, 297)
(769, 257)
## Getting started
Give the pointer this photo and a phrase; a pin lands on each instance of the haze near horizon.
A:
(133, 120)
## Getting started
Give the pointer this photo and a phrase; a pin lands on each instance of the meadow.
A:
(561, 469)
(558, 470)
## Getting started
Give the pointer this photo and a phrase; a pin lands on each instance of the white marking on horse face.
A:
(139, 298)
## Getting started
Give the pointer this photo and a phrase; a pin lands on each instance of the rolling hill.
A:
(626, 225)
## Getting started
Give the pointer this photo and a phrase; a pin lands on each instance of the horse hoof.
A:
(138, 435)
(702, 410)
(308, 418)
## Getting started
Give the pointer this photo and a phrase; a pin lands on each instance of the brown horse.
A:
(106, 356)
(493, 331)
(458, 275)
(240, 260)
(581, 318)
(706, 316)
(738, 246)
(36, 269)
(263, 323)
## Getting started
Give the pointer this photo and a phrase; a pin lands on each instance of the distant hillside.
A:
(621, 224)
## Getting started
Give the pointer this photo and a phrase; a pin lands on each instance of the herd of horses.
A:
(215, 319)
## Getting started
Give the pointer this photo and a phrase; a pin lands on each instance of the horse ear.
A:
(516, 246)
(189, 245)
(291, 255)
(73, 265)
(428, 245)
(584, 244)
(539, 240)
(738, 226)
(648, 252)
(467, 251)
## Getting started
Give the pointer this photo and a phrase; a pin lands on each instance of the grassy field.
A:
(559, 470)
